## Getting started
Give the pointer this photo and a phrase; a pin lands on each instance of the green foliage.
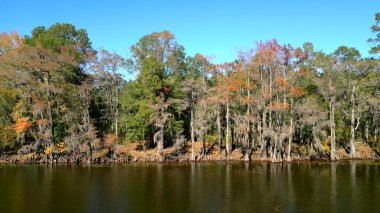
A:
(174, 127)
(375, 41)
(135, 112)
(99, 112)
(303, 150)
(347, 54)
(210, 139)
(153, 76)
(154, 98)
(288, 88)
(7, 136)
(60, 130)
(58, 36)
(8, 99)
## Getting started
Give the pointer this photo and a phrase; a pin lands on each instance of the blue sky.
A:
(217, 28)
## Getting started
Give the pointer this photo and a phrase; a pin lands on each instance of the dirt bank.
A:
(135, 152)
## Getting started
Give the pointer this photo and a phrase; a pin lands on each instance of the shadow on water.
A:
(350, 186)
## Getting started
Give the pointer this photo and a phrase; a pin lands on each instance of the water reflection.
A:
(194, 187)
(333, 185)
(227, 188)
(353, 176)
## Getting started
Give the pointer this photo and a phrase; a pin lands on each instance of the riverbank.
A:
(135, 152)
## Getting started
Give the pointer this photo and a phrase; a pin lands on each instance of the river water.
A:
(350, 186)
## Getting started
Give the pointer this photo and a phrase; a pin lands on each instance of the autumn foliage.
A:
(22, 124)
(298, 91)
(59, 94)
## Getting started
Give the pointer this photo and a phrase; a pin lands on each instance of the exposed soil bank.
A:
(136, 153)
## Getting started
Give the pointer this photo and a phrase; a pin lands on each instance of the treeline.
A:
(60, 96)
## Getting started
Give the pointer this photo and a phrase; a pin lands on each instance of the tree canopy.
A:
(60, 97)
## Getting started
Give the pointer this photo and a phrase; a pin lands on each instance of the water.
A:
(200, 187)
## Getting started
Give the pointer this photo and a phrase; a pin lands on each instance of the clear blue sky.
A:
(212, 27)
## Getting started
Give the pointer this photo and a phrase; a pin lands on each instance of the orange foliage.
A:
(280, 105)
(229, 82)
(268, 47)
(282, 83)
(301, 55)
(201, 58)
(164, 34)
(10, 40)
(297, 91)
(229, 87)
(22, 124)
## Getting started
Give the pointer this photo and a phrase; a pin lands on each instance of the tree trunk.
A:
(204, 117)
(116, 110)
(204, 149)
(160, 142)
(262, 122)
(352, 138)
(366, 131)
(50, 111)
(50, 115)
(284, 93)
(270, 99)
(86, 112)
(86, 116)
(219, 129)
(228, 148)
(247, 148)
(259, 130)
(160, 133)
(332, 129)
(277, 115)
(274, 159)
(290, 138)
(192, 133)
(264, 153)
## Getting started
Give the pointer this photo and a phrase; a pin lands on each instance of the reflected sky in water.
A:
(192, 187)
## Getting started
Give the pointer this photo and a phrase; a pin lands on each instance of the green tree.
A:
(196, 87)
(160, 68)
(345, 53)
(375, 41)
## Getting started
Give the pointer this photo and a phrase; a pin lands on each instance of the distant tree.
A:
(345, 53)
(195, 85)
(43, 68)
(160, 64)
(64, 40)
(226, 90)
(375, 41)
(107, 68)
(46, 69)
(328, 84)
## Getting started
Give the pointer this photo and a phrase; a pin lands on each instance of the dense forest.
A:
(61, 97)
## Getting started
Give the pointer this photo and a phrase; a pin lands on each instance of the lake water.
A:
(192, 187)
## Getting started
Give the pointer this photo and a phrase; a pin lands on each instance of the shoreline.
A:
(103, 160)
(182, 162)
(132, 152)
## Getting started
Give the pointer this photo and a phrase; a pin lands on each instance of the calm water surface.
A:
(200, 187)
